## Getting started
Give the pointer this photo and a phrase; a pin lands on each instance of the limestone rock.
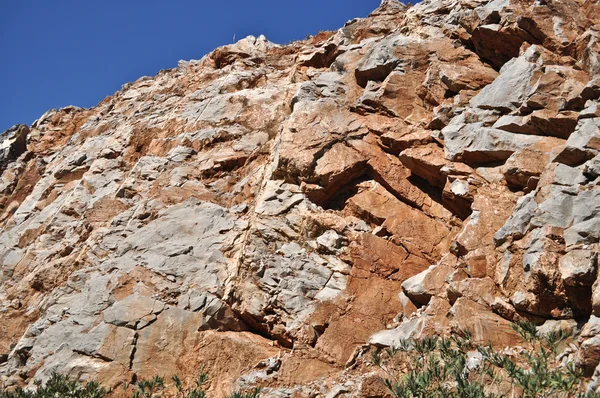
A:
(475, 144)
(130, 311)
(107, 342)
(583, 144)
(579, 267)
(270, 210)
(13, 142)
(421, 287)
(379, 62)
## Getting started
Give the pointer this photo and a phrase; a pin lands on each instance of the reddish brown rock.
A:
(426, 162)
(524, 167)
(486, 326)
(374, 255)
(268, 211)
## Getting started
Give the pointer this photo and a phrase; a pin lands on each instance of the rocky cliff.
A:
(271, 212)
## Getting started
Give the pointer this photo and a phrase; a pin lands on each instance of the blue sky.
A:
(76, 52)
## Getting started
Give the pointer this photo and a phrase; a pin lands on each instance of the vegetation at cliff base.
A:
(456, 367)
(60, 386)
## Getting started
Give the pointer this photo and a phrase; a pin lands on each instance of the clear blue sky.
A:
(56, 53)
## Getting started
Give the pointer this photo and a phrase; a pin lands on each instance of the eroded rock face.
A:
(13, 142)
(425, 169)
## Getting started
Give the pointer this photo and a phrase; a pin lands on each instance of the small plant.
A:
(59, 386)
(149, 388)
(195, 391)
(252, 394)
(456, 367)
(156, 387)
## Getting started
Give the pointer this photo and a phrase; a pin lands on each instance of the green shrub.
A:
(59, 386)
(456, 367)
(252, 394)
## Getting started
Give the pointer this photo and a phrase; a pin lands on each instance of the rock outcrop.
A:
(269, 211)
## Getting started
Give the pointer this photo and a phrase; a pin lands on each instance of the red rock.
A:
(524, 167)
(426, 162)
(423, 170)
(485, 326)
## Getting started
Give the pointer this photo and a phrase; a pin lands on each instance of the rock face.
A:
(13, 142)
(425, 169)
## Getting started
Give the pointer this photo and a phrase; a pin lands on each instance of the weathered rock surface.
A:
(268, 211)
(13, 142)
